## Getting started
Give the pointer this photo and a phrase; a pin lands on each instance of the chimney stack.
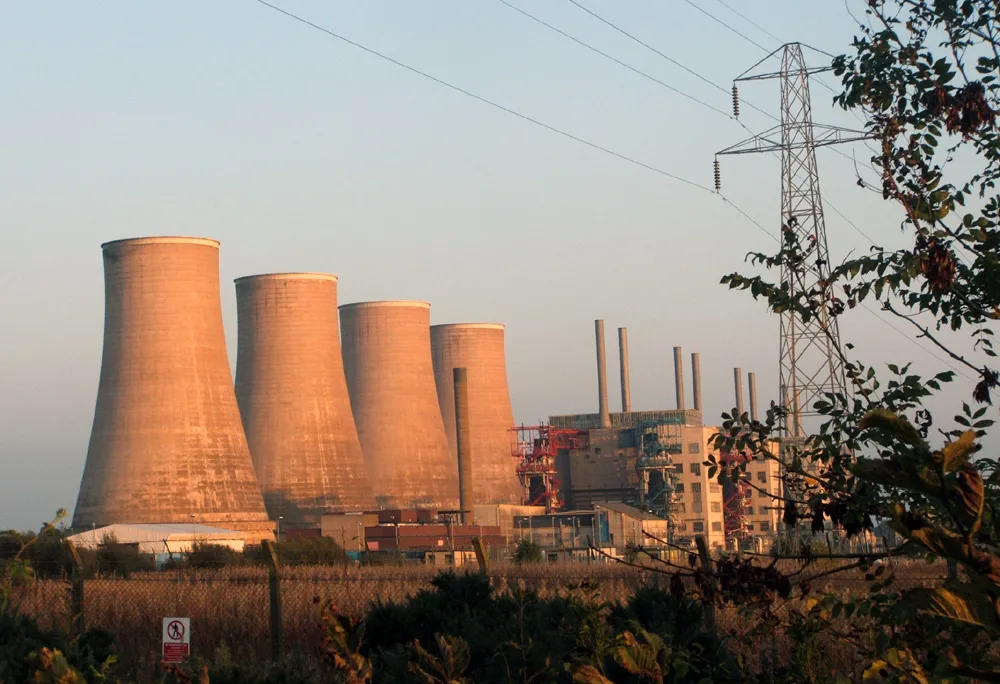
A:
(696, 380)
(623, 363)
(738, 381)
(463, 442)
(752, 382)
(602, 376)
(679, 377)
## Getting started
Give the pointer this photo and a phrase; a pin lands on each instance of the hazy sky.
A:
(299, 152)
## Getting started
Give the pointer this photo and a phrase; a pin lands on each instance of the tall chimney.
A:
(463, 442)
(696, 380)
(602, 376)
(752, 382)
(738, 381)
(623, 363)
(679, 377)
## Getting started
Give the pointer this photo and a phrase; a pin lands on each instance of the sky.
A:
(300, 152)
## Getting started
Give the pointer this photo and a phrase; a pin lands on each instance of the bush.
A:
(518, 636)
(528, 551)
(113, 558)
(204, 555)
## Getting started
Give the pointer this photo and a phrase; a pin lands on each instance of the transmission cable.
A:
(616, 60)
(719, 21)
(673, 61)
(562, 133)
(749, 20)
(497, 105)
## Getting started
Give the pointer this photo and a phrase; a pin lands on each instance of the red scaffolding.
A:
(736, 499)
(536, 447)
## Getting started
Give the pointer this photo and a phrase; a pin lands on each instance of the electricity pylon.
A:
(809, 355)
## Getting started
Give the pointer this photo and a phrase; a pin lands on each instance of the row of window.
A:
(699, 526)
(713, 487)
(695, 469)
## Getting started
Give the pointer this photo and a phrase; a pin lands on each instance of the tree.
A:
(528, 551)
(925, 75)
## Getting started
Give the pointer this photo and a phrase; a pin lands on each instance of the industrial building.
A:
(293, 399)
(479, 348)
(390, 379)
(653, 460)
(363, 423)
(167, 444)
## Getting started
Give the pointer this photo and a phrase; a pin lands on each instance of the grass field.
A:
(229, 607)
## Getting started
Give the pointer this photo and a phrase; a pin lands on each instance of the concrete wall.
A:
(390, 378)
(603, 471)
(293, 398)
(479, 348)
(167, 444)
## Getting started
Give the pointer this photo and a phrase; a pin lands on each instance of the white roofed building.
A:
(160, 539)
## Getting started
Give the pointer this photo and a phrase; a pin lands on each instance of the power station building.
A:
(293, 398)
(479, 348)
(390, 378)
(167, 444)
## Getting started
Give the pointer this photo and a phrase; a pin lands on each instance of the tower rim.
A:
(386, 304)
(162, 239)
(470, 326)
(290, 275)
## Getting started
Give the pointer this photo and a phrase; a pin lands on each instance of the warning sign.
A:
(176, 639)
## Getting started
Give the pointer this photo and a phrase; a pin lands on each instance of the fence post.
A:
(77, 623)
(274, 592)
(709, 598)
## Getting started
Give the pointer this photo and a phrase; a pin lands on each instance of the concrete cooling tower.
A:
(292, 394)
(390, 377)
(167, 445)
(479, 348)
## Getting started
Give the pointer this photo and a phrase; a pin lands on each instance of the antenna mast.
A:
(809, 355)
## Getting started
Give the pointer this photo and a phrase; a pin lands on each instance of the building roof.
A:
(630, 511)
(136, 533)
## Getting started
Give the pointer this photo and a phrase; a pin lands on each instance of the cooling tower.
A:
(167, 444)
(293, 398)
(479, 348)
(390, 378)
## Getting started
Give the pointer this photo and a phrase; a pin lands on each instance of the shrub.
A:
(204, 555)
(528, 551)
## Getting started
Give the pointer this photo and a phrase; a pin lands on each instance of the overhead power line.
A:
(722, 23)
(503, 108)
(558, 131)
(615, 59)
(749, 20)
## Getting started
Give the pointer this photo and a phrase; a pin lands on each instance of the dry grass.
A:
(229, 608)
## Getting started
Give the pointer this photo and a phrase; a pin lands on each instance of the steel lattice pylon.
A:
(810, 364)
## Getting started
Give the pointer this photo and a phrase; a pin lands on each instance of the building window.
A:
(716, 507)
(749, 527)
(694, 448)
(717, 527)
(762, 476)
(696, 469)
(765, 527)
(714, 488)
(682, 527)
(680, 507)
(764, 510)
(679, 468)
(698, 526)
(696, 507)
(696, 488)
(679, 487)
(761, 493)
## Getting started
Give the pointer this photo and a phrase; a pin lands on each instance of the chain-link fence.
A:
(257, 613)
